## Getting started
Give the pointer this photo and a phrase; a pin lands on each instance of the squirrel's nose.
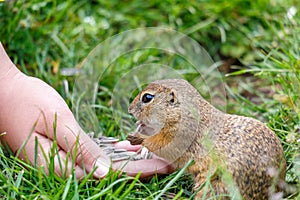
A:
(129, 110)
(134, 107)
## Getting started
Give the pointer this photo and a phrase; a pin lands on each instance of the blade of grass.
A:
(17, 185)
(130, 186)
(190, 162)
(67, 187)
(109, 188)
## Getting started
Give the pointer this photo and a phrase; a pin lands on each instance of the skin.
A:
(28, 107)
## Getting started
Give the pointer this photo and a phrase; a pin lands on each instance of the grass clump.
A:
(257, 42)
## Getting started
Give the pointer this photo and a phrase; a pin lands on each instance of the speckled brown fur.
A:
(236, 153)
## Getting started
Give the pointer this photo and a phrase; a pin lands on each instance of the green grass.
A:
(255, 40)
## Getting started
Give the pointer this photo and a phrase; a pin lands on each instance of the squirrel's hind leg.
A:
(210, 189)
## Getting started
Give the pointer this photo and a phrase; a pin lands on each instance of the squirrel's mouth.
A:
(144, 129)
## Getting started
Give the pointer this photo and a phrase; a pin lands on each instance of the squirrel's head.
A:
(159, 105)
(155, 107)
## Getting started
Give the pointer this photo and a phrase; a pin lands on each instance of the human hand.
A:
(28, 110)
(148, 167)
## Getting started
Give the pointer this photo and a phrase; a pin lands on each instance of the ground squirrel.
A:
(177, 123)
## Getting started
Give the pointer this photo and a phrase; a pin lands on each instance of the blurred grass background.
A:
(256, 41)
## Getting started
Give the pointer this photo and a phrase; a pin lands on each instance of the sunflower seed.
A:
(146, 154)
(106, 143)
(118, 157)
(108, 140)
(123, 156)
(120, 150)
(108, 150)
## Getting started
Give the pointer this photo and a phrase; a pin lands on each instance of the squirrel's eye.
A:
(147, 98)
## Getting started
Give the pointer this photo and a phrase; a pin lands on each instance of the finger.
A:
(71, 138)
(145, 167)
(62, 165)
(126, 145)
(89, 155)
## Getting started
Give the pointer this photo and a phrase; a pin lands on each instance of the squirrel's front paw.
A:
(134, 140)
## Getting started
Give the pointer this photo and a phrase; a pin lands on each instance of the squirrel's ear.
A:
(172, 97)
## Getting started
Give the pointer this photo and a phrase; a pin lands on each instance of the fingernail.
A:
(102, 169)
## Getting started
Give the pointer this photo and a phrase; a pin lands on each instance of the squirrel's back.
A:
(253, 155)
